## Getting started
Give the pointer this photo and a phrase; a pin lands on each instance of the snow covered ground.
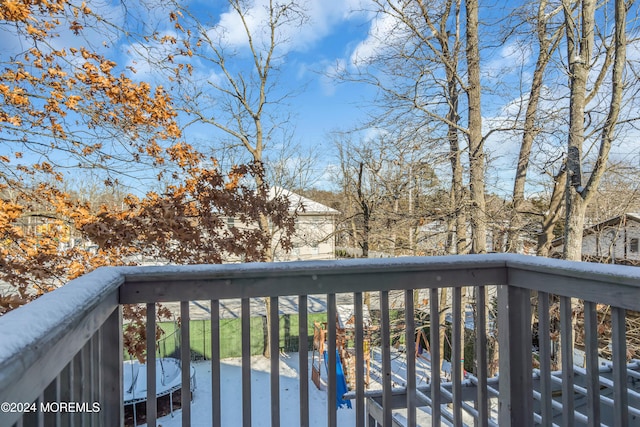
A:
(231, 379)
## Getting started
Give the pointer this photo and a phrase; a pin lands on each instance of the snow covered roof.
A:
(297, 201)
(615, 221)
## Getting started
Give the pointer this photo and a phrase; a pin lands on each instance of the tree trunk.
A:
(578, 197)
(366, 213)
(457, 188)
(552, 216)
(394, 233)
(477, 214)
(366, 228)
(529, 132)
(412, 221)
(579, 50)
(574, 227)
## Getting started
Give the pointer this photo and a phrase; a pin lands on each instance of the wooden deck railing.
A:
(61, 356)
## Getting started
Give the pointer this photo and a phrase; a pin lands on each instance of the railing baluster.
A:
(481, 356)
(49, 395)
(58, 398)
(360, 364)
(151, 403)
(112, 352)
(544, 352)
(216, 397)
(516, 382)
(85, 379)
(385, 327)
(67, 392)
(185, 362)
(593, 372)
(30, 418)
(457, 355)
(246, 362)
(434, 345)
(410, 349)
(332, 379)
(332, 360)
(76, 388)
(101, 384)
(619, 347)
(95, 377)
(274, 344)
(566, 334)
(303, 359)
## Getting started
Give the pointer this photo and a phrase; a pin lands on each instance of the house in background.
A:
(314, 237)
(616, 240)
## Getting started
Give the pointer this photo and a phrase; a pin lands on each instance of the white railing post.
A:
(514, 339)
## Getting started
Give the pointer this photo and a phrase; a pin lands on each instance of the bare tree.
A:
(580, 24)
(554, 212)
(359, 166)
(617, 194)
(293, 166)
(477, 215)
(237, 97)
(548, 42)
(416, 69)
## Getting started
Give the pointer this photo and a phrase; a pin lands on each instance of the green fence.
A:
(230, 336)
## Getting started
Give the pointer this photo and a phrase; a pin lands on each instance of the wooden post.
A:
(515, 407)
(112, 404)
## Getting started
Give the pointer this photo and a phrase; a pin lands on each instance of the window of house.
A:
(230, 222)
(633, 245)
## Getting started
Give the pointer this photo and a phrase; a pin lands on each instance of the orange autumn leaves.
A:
(35, 251)
(53, 92)
(17, 11)
(186, 224)
(66, 98)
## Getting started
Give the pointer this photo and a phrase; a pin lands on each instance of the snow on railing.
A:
(66, 347)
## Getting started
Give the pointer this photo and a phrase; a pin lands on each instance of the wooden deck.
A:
(67, 345)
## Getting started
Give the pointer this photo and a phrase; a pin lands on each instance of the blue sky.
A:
(319, 103)
(335, 34)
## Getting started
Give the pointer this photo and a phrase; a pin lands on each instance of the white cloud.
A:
(511, 57)
(383, 30)
(97, 34)
(321, 17)
(330, 77)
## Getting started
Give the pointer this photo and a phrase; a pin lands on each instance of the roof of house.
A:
(616, 220)
(302, 204)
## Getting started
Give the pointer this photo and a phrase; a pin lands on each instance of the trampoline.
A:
(168, 381)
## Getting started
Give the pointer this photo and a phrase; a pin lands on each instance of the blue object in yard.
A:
(341, 382)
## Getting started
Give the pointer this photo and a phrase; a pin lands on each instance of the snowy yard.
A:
(231, 380)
